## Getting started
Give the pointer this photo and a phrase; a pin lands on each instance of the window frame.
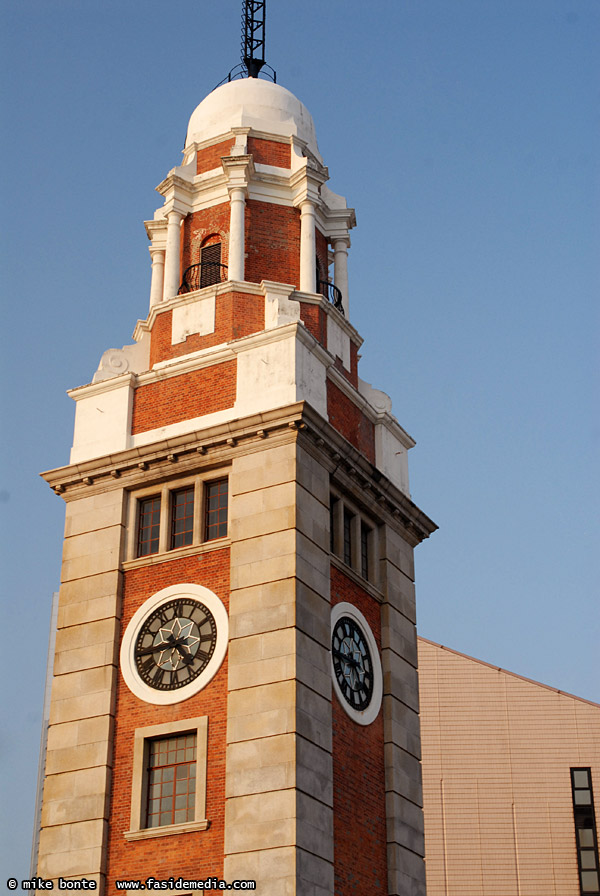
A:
(165, 491)
(139, 783)
(584, 818)
(341, 511)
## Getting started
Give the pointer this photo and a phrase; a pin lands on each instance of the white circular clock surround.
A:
(370, 713)
(127, 657)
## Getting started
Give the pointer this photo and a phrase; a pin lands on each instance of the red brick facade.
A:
(270, 152)
(350, 421)
(184, 397)
(359, 827)
(197, 229)
(210, 158)
(237, 314)
(272, 243)
(196, 854)
(315, 321)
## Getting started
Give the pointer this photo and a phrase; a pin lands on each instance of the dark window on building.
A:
(148, 526)
(182, 517)
(365, 533)
(171, 780)
(332, 523)
(210, 261)
(348, 518)
(216, 499)
(585, 831)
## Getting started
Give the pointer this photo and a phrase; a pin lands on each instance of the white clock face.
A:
(355, 664)
(174, 644)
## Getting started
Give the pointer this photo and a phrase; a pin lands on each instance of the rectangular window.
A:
(182, 517)
(585, 831)
(216, 500)
(168, 785)
(348, 518)
(148, 526)
(365, 533)
(171, 780)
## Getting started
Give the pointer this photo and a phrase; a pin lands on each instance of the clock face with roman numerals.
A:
(352, 663)
(175, 644)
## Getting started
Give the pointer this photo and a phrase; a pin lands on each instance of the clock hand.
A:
(172, 642)
(345, 658)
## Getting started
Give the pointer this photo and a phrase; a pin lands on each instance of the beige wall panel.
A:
(401, 725)
(314, 771)
(252, 503)
(400, 679)
(84, 731)
(313, 718)
(312, 565)
(105, 585)
(312, 518)
(404, 823)
(313, 617)
(262, 711)
(274, 868)
(94, 512)
(73, 810)
(260, 821)
(315, 875)
(403, 773)
(73, 708)
(262, 765)
(313, 665)
(262, 571)
(260, 524)
(272, 466)
(79, 757)
(394, 549)
(75, 863)
(398, 590)
(314, 827)
(399, 634)
(312, 476)
(84, 682)
(406, 873)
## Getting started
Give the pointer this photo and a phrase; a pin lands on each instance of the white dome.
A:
(255, 103)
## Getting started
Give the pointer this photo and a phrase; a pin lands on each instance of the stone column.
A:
(172, 272)
(236, 233)
(158, 275)
(340, 268)
(308, 249)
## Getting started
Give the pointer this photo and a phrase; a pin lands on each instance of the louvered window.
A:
(210, 260)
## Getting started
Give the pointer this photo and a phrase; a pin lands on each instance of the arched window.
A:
(210, 261)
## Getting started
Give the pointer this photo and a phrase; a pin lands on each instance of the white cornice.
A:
(115, 382)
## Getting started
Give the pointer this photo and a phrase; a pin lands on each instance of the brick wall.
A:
(184, 397)
(272, 243)
(210, 158)
(350, 421)
(196, 854)
(360, 861)
(236, 315)
(197, 226)
(270, 152)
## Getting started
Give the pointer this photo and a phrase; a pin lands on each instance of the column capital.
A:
(239, 170)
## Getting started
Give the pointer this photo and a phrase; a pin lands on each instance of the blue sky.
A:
(466, 136)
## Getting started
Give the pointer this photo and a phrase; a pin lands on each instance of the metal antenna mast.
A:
(253, 44)
(253, 36)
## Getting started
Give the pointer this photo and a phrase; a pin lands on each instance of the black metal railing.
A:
(197, 276)
(331, 293)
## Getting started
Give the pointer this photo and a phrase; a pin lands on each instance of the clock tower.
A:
(235, 687)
